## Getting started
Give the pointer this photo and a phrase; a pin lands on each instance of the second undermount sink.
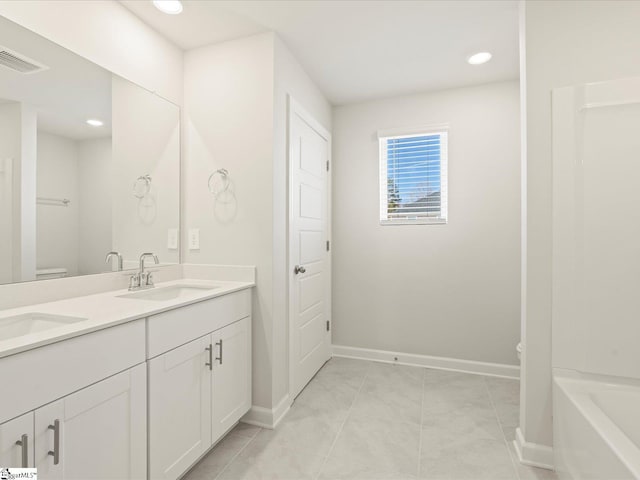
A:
(171, 292)
(27, 323)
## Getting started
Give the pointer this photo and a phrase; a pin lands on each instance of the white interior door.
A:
(309, 281)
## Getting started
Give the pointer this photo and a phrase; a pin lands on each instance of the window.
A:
(413, 176)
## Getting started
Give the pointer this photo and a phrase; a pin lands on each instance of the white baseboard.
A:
(533, 454)
(265, 417)
(442, 363)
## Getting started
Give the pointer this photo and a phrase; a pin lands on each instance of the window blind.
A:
(413, 178)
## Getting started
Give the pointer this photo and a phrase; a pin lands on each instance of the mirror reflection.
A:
(89, 165)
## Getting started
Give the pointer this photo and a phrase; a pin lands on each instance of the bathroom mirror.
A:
(89, 164)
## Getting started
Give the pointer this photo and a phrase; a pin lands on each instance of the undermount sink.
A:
(169, 293)
(27, 323)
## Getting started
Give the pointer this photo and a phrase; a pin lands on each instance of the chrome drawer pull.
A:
(220, 357)
(210, 362)
(55, 453)
(24, 443)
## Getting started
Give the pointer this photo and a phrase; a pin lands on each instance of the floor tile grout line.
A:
(346, 417)
(504, 437)
(424, 376)
(237, 454)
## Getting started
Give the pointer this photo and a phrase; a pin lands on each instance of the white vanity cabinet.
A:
(84, 400)
(200, 389)
(16, 442)
(179, 408)
(142, 400)
(97, 432)
(231, 376)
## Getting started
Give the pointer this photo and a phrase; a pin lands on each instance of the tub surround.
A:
(587, 418)
(595, 356)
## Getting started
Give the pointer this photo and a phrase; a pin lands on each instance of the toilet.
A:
(49, 273)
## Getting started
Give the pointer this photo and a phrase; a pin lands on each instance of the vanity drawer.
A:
(33, 378)
(171, 329)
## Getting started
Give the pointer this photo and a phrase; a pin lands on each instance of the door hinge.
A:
(328, 327)
(327, 165)
(328, 245)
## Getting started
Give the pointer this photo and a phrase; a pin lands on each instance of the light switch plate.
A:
(194, 239)
(172, 239)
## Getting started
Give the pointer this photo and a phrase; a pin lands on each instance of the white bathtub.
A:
(596, 426)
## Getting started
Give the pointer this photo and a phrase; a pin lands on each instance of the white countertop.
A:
(105, 310)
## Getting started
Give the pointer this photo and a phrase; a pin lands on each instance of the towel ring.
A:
(218, 181)
(142, 186)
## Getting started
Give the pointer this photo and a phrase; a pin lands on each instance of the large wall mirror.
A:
(89, 164)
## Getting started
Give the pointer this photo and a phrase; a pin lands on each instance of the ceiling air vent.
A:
(18, 63)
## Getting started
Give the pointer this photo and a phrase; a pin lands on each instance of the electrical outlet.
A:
(194, 239)
(172, 239)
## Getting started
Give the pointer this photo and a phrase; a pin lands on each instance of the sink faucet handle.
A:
(134, 281)
(148, 279)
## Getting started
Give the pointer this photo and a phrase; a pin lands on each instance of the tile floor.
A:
(361, 420)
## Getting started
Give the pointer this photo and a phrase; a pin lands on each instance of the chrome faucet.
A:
(142, 280)
(118, 256)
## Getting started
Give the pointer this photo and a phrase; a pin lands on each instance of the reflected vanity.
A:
(89, 165)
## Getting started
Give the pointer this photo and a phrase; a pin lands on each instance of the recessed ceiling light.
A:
(479, 58)
(172, 7)
(94, 122)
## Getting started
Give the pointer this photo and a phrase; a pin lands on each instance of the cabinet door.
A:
(179, 408)
(12, 453)
(98, 432)
(231, 389)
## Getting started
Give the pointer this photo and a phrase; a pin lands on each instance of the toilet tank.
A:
(49, 273)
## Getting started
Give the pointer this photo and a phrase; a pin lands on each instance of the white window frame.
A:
(383, 136)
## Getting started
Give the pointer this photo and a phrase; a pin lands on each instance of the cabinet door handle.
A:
(24, 443)
(55, 453)
(220, 357)
(210, 362)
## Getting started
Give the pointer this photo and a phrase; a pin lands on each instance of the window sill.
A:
(420, 221)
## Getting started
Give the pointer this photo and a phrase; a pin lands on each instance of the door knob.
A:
(299, 269)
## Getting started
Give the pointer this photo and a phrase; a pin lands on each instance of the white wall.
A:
(235, 118)
(95, 204)
(18, 126)
(228, 123)
(109, 35)
(566, 43)
(444, 290)
(10, 136)
(24, 225)
(57, 227)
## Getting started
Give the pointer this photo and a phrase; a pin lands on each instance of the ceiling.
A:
(66, 94)
(358, 50)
